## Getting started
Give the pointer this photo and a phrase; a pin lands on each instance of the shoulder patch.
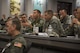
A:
(18, 44)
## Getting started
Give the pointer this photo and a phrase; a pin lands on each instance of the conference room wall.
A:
(27, 6)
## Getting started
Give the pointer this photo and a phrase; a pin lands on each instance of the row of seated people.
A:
(62, 25)
(66, 25)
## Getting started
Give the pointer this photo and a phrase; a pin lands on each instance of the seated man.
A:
(54, 22)
(37, 20)
(18, 44)
(26, 24)
(75, 27)
(65, 19)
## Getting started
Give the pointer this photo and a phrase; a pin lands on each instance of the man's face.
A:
(9, 27)
(62, 13)
(47, 16)
(24, 17)
(78, 13)
(35, 14)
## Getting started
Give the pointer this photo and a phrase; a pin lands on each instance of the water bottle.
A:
(76, 31)
(35, 29)
(50, 29)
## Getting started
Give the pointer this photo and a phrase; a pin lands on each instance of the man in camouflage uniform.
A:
(75, 27)
(26, 24)
(65, 19)
(54, 22)
(18, 44)
(37, 20)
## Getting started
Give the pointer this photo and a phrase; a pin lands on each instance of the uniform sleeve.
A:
(56, 24)
(18, 45)
(77, 29)
(16, 49)
(61, 30)
(69, 20)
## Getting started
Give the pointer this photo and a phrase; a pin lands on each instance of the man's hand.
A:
(75, 21)
(27, 24)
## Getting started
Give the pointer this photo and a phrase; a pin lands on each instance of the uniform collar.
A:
(36, 20)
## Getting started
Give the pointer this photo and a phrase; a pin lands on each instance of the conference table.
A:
(45, 44)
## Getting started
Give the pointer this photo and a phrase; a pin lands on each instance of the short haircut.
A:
(16, 21)
(24, 14)
(49, 12)
(65, 10)
(38, 11)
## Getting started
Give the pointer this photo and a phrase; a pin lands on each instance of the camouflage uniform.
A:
(66, 21)
(16, 46)
(56, 25)
(75, 29)
(26, 29)
(39, 22)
